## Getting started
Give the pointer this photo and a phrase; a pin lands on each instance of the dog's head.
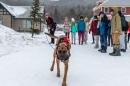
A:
(63, 53)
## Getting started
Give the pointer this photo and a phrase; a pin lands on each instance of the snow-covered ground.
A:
(25, 62)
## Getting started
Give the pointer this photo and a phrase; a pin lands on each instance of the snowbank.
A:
(12, 41)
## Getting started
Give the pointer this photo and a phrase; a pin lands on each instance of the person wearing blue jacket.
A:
(81, 30)
(103, 27)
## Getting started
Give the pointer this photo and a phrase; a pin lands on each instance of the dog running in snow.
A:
(61, 54)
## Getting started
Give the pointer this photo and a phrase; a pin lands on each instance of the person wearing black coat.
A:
(123, 37)
(109, 41)
(51, 27)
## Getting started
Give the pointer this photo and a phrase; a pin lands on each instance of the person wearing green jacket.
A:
(116, 29)
(73, 31)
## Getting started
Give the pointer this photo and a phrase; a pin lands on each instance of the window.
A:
(1, 13)
(1, 10)
(26, 24)
(1, 19)
(106, 10)
(123, 9)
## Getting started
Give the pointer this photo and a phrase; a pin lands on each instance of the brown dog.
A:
(61, 53)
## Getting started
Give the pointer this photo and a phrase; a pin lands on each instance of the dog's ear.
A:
(60, 40)
(69, 47)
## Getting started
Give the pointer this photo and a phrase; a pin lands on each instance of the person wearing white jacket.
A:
(87, 30)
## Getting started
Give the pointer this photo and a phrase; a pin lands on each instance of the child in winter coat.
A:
(95, 30)
(90, 29)
(73, 31)
(66, 27)
(81, 30)
(86, 30)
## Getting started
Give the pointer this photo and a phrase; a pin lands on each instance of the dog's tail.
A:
(52, 36)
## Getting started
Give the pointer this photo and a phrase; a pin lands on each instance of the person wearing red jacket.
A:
(95, 31)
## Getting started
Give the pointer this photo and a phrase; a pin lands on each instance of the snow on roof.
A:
(116, 3)
(26, 14)
(8, 8)
(19, 11)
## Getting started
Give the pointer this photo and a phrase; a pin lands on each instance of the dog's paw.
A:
(64, 84)
(51, 69)
(58, 74)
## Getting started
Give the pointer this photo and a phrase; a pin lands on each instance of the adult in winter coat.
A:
(67, 27)
(123, 36)
(116, 30)
(103, 27)
(73, 31)
(51, 26)
(81, 30)
(95, 30)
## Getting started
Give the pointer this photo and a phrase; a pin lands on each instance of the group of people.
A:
(73, 27)
(109, 30)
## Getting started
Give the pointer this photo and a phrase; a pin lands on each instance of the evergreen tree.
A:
(35, 17)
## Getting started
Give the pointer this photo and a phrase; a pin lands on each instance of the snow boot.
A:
(114, 50)
(96, 46)
(123, 50)
(103, 50)
(100, 50)
(117, 52)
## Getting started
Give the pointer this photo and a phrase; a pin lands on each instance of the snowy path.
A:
(87, 67)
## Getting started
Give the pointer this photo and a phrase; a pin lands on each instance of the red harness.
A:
(66, 40)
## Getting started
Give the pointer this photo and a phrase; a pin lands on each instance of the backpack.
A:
(124, 23)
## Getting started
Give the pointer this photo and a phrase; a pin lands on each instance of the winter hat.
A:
(86, 19)
(47, 14)
(72, 19)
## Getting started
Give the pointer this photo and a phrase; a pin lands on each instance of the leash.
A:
(49, 43)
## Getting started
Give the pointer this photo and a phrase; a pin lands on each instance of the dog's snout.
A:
(59, 51)
(63, 51)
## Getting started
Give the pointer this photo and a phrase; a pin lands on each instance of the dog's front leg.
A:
(53, 63)
(65, 73)
(58, 67)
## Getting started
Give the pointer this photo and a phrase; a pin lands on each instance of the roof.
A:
(116, 3)
(20, 11)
